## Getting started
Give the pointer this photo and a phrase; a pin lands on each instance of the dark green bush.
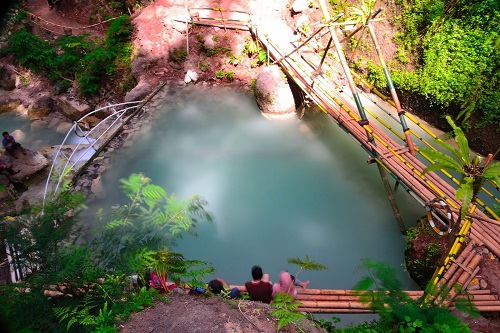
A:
(78, 58)
(32, 52)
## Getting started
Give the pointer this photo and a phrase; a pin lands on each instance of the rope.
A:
(37, 17)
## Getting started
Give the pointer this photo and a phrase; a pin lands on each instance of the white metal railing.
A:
(90, 140)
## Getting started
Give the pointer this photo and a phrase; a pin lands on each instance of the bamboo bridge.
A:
(314, 60)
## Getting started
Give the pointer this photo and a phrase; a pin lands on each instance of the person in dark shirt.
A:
(11, 145)
(258, 289)
(216, 286)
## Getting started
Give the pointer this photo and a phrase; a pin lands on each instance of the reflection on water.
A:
(31, 137)
(275, 190)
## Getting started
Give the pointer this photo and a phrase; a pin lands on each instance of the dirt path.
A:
(66, 18)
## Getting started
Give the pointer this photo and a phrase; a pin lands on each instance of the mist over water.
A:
(276, 189)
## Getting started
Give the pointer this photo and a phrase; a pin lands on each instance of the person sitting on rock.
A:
(11, 145)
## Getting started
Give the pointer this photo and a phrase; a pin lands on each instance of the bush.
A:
(76, 57)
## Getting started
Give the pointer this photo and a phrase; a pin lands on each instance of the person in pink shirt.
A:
(285, 285)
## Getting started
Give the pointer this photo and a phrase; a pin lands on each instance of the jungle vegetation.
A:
(454, 46)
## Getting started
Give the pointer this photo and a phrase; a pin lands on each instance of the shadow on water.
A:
(276, 189)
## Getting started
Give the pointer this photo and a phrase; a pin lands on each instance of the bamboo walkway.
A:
(393, 152)
(323, 81)
(346, 301)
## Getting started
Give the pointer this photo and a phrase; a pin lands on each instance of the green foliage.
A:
(474, 171)
(262, 56)
(89, 61)
(229, 75)
(252, 86)
(219, 75)
(455, 46)
(375, 74)
(203, 66)
(152, 220)
(250, 47)
(94, 271)
(398, 312)
(178, 54)
(359, 15)
(285, 310)
(32, 51)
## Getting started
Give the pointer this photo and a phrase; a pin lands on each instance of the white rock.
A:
(193, 75)
(300, 5)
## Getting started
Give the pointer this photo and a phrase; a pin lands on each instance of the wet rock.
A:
(8, 103)
(41, 107)
(139, 92)
(96, 188)
(63, 127)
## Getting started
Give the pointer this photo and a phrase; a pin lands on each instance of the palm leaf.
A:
(465, 192)
(442, 160)
(461, 141)
(492, 173)
(452, 150)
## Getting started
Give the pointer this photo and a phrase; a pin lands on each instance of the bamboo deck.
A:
(346, 301)
(302, 67)
(321, 87)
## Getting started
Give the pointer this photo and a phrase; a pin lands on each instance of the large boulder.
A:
(41, 107)
(7, 77)
(71, 108)
(299, 6)
(28, 165)
(273, 93)
(139, 92)
(8, 103)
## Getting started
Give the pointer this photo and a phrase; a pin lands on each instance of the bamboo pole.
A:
(392, 89)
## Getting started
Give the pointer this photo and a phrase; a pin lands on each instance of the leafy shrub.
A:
(32, 51)
(95, 270)
(179, 54)
(229, 75)
(87, 60)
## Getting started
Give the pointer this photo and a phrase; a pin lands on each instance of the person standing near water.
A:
(11, 145)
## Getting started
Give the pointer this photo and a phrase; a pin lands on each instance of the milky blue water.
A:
(31, 137)
(276, 189)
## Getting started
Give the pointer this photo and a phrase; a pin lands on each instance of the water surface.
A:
(276, 189)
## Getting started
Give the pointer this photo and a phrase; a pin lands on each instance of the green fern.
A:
(285, 310)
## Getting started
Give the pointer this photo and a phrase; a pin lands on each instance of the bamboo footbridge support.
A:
(328, 81)
(393, 152)
(346, 301)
